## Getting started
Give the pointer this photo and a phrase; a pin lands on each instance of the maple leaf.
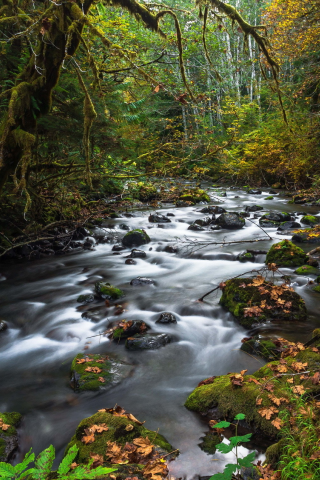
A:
(277, 422)
(93, 369)
(88, 439)
(115, 453)
(102, 427)
(269, 387)
(101, 379)
(282, 369)
(100, 361)
(237, 379)
(144, 444)
(267, 412)
(155, 470)
(290, 380)
(4, 426)
(84, 360)
(277, 401)
(299, 366)
(258, 401)
(97, 460)
(254, 380)
(298, 389)
(316, 378)
(252, 311)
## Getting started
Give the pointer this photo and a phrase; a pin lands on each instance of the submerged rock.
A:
(87, 298)
(148, 341)
(118, 247)
(196, 227)
(245, 257)
(203, 222)
(254, 191)
(128, 328)
(288, 225)
(141, 281)
(231, 220)
(211, 209)
(135, 237)
(286, 254)
(95, 371)
(166, 317)
(171, 249)
(135, 253)
(107, 291)
(252, 303)
(158, 218)
(8, 436)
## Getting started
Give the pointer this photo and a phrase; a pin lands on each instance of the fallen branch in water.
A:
(198, 245)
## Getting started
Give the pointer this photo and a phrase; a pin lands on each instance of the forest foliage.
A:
(98, 94)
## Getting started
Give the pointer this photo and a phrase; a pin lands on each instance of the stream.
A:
(46, 329)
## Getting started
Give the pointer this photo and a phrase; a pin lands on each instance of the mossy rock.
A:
(129, 329)
(229, 399)
(194, 195)
(9, 438)
(112, 372)
(269, 198)
(105, 290)
(135, 237)
(236, 298)
(309, 220)
(286, 254)
(264, 348)
(146, 192)
(117, 433)
(307, 270)
(316, 289)
(245, 257)
(309, 235)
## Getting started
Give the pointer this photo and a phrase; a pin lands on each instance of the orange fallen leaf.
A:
(93, 369)
(277, 422)
(144, 444)
(268, 412)
(88, 439)
(101, 379)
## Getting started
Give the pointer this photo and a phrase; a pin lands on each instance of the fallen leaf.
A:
(88, 439)
(101, 379)
(207, 381)
(298, 389)
(299, 366)
(102, 427)
(258, 401)
(155, 470)
(144, 444)
(254, 380)
(134, 419)
(3, 425)
(268, 412)
(316, 378)
(243, 372)
(277, 422)
(97, 460)
(93, 369)
(290, 380)
(74, 465)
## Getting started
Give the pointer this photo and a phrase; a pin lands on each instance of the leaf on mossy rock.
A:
(3, 425)
(144, 445)
(118, 411)
(155, 470)
(268, 412)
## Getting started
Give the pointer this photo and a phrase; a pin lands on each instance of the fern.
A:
(43, 464)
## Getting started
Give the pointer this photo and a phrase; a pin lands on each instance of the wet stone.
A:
(170, 214)
(203, 222)
(253, 208)
(254, 191)
(195, 227)
(87, 298)
(118, 247)
(95, 314)
(170, 249)
(215, 227)
(158, 218)
(141, 282)
(135, 253)
(135, 238)
(130, 261)
(230, 221)
(288, 225)
(148, 341)
(127, 329)
(166, 317)
(3, 326)
(123, 226)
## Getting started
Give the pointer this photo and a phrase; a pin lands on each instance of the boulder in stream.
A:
(245, 257)
(120, 436)
(142, 282)
(8, 435)
(194, 195)
(288, 225)
(309, 235)
(86, 298)
(95, 371)
(263, 347)
(230, 220)
(128, 328)
(307, 270)
(135, 237)
(167, 317)
(3, 326)
(195, 227)
(253, 208)
(135, 253)
(148, 341)
(286, 254)
(159, 218)
(310, 220)
(107, 291)
(254, 300)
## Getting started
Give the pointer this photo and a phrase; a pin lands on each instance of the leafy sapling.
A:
(232, 470)
(43, 465)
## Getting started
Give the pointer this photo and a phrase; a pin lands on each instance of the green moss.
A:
(146, 191)
(269, 198)
(194, 195)
(317, 289)
(13, 419)
(274, 451)
(131, 238)
(286, 254)
(2, 447)
(105, 290)
(88, 380)
(264, 348)
(309, 220)
(307, 270)
(236, 298)
(117, 433)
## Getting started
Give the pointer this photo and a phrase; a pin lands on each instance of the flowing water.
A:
(46, 330)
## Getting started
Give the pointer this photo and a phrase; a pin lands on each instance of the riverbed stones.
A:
(148, 341)
(96, 371)
(142, 282)
(170, 249)
(107, 291)
(122, 430)
(209, 209)
(167, 317)
(253, 208)
(130, 261)
(273, 219)
(118, 247)
(158, 218)
(203, 222)
(86, 298)
(123, 226)
(8, 435)
(230, 220)
(251, 303)
(136, 238)
(286, 254)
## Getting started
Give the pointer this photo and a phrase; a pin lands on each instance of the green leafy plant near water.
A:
(233, 468)
(43, 465)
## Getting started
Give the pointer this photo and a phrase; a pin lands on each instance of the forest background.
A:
(99, 98)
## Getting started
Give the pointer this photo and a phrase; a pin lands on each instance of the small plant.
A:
(232, 468)
(67, 470)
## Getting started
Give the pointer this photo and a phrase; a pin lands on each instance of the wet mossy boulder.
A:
(307, 270)
(273, 219)
(136, 238)
(96, 371)
(194, 195)
(209, 442)
(253, 208)
(8, 435)
(128, 328)
(251, 303)
(316, 289)
(309, 235)
(158, 218)
(263, 347)
(146, 192)
(3, 326)
(245, 257)
(231, 221)
(107, 291)
(286, 254)
(86, 298)
(121, 430)
(309, 220)
(148, 341)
